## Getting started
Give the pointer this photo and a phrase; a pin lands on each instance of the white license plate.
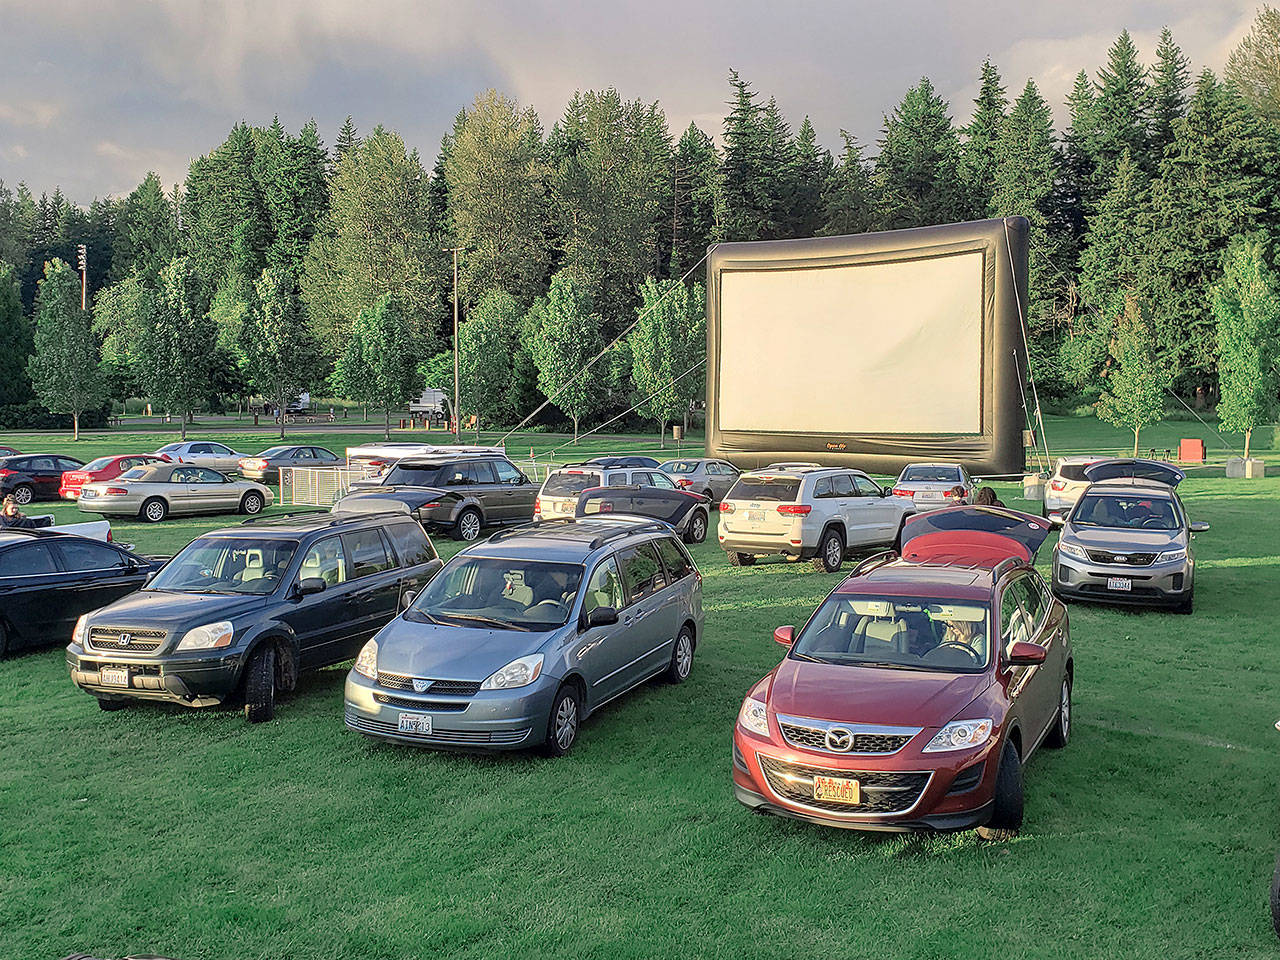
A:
(929, 495)
(755, 516)
(1119, 583)
(113, 676)
(415, 723)
(86, 495)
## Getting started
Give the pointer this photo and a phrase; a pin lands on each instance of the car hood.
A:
(908, 698)
(445, 652)
(412, 497)
(1113, 539)
(171, 611)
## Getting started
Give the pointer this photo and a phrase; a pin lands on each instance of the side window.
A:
(27, 560)
(604, 588)
(40, 463)
(207, 476)
(507, 473)
(218, 450)
(865, 486)
(674, 559)
(661, 480)
(1015, 623)
(366, 552)
(480, 471)
(128, 463)
(201, 448)
(185, 475)
(454, 474)
(411, 543)
(86, 555)
(616, 480)
(324, 559)
(65, 464)
(641, 477)
(1032, 601)
(822, 488)
(842, 485)
(325, 455)
(642, 572)
(304, 453)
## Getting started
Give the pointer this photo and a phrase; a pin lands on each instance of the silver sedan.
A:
(153, 493)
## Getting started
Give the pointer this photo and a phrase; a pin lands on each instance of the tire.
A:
(251, 503)
(4, 642)
(467, 527)
(154, 510)
(1060, 732)
(1275, 899)
(1186, 607)
(711, 497)
(112, 705)
(23, 494)
(1006, 817)
(563, 722)
(830, 555)
(681, 664)
(697, 531)
(741, 559)
(260, 684)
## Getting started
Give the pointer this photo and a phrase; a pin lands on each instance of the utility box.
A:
(1033, 487)
(1239, 468)
(1190, 451)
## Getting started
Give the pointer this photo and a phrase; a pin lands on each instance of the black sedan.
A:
(34, 477)
(48, 579)
(265, 467)
(688, 513)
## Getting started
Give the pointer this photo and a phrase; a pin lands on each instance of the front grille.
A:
(816, 739)
(123, 638)
(884, 792)
(431, 706)
(461, 737)
(1130, 559)
(458, 688)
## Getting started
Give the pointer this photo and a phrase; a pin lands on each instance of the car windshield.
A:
(679, 466)
(926, 474)
(765, 488)
(98, 464)
(421, 476)
(170, 447)
(570, 483)
(499, 594)
(1125, 512)
(227, 565)
(912, 633)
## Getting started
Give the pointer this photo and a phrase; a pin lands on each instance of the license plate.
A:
(837, 789)
(755, 516)
(113, 676)
(86, 495)
(929, 495)
(1119, 583)
(415, 723)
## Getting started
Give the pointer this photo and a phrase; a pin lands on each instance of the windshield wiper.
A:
(490, 621)
(887, 664)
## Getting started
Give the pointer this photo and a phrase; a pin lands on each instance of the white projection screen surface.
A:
(904, 364)
(872, 350)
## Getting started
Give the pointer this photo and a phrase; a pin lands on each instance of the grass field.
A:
(194, 835)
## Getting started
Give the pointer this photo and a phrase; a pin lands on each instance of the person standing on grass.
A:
(987, 498)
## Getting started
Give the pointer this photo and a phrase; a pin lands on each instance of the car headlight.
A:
(208, 637)
(1072, 549)
(960, 735)
(367, 662)
(754, 716)
(78, 634)
(517, 673)
(1170, 555)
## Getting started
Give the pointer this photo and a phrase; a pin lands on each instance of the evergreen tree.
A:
(778, 155)
(1170, 79)
(746, 180)
(379, 363)
(486, 344)
(1253, 67)
(813, 169)
(15, 341)
(566, 337)
(281, 354)
(696, 202)
(668, 346)
(1134, 393)
(849, 204)
(348, 140)
(978, 162)
(291, 173)
(148, 233)
(918, 170)
(1246, 306)
(1079, 162)
(496, 173)
(179, 358)
(64, 367)
(1122, 112)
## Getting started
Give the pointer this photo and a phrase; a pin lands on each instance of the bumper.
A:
(69, 493)
(1153, 585)
(269, 475)
(111, 506)
(781, 544)
(191, 681)
(1058, 502)
(957, 793)
(489, 720)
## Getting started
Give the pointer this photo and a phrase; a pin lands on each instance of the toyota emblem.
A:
(420, 686)
(126, 639)
(839, 740)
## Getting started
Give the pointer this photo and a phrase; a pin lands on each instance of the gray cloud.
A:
(94, 94)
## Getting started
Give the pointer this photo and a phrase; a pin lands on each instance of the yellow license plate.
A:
(837, 790)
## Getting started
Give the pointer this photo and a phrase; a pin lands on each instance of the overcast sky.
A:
(94, 93)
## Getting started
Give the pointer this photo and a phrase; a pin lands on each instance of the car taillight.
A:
(110, 538)
(115, 492)
(726, 507)
(684, 482)
(899, 492)
(537, 505)
(795, 509)
(5, 473)
(1057, 485)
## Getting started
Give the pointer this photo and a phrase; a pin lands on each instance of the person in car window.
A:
(964, 632)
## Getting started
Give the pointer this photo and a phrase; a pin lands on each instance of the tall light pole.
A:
(457, 414)
(83, 256)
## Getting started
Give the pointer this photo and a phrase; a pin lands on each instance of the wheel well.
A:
(838, 527)
(1071, 672)
(286, 660)
(693, 629)
(575, 680)
(1015, 737)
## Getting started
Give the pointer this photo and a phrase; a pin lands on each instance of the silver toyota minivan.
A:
(521, 637)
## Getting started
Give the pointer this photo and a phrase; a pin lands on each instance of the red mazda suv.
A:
(894, 708)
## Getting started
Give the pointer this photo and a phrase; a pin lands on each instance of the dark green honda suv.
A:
(241, 611)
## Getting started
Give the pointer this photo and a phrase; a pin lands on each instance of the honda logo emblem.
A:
(126, 639)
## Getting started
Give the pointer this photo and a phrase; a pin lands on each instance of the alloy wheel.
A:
(699, 529)
(566, 722)
(834, 552)
(684, 655)
(1064, 708)
(23, 495)
(155, 511)
(469, 527)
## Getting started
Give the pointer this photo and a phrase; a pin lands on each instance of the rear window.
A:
(98, 464)
(931, 475)
(680, 466)
(570, 484)
(137, 473)
(765, 488)
(1073, 471)
(427, 476)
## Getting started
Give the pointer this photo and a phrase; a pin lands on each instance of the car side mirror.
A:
(1199, 526)
(885, 491)
(601, 617)
(309, 585)
(1024, 654)
(1057, 519)
(785, 635)
(406, 601)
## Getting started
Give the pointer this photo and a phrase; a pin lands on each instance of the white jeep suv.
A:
(808, 512)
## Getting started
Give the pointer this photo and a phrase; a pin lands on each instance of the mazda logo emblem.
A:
(126, 639)
(839, 740)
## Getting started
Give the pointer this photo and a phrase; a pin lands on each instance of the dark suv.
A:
(458, 494)
(243, 610)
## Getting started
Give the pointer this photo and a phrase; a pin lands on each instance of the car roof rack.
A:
(867, 564)
(643, 526)
(283, 516)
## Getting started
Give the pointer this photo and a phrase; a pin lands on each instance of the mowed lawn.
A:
(195, 835)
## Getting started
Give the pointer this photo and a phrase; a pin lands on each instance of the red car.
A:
(892, 709)
(104, 468)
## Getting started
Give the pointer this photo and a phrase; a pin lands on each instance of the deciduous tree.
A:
(566, 337)
(668, 346)
(64, 367)
(1134, 394)
(281, 354)
(379, 365)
